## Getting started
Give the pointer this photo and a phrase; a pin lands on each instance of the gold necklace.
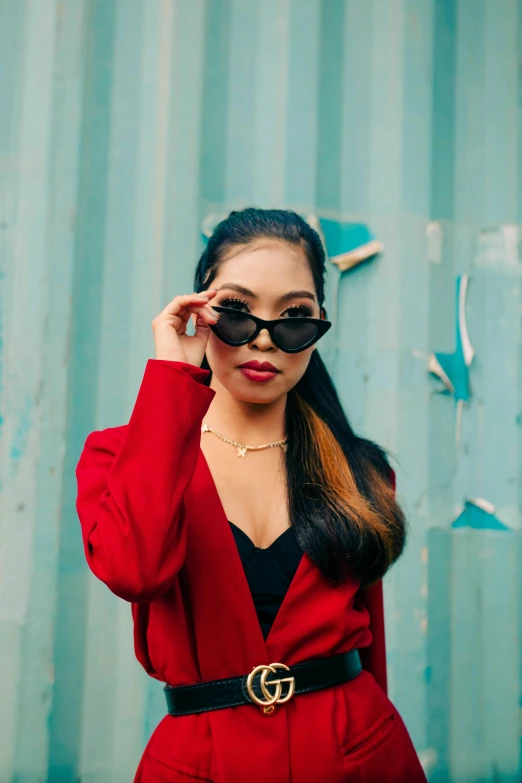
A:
(241, 449)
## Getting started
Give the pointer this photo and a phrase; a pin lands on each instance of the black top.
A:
(268, 571)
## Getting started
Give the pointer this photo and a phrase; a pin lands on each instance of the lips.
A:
(259, 366)
(259, 372)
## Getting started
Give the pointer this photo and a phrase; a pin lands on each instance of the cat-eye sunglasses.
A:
(291, 335)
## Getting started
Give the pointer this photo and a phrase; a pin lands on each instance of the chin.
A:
(264, 396)
(249, 391)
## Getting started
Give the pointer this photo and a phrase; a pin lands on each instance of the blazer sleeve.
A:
(132, 479)
(373, 658)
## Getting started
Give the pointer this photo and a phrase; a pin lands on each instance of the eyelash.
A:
(307, 311)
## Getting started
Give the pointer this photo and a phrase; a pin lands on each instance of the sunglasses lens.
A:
(294, 333)
(234, 327)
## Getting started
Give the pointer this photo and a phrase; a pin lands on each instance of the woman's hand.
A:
(170, 328)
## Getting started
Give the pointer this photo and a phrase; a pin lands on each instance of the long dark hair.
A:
(341, 494)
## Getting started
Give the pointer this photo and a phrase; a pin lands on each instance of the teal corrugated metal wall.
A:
(124, 124)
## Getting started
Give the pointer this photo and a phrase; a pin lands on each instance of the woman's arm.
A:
(132, 479)
(373, 658)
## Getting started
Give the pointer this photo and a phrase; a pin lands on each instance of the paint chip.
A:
(435, 242)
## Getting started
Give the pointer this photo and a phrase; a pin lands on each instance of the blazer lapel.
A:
(228, 635)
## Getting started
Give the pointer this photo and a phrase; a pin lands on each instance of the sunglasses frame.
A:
(322, 327)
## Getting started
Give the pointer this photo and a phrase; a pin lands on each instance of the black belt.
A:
(255, 688)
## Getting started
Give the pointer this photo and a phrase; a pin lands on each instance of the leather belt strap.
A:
(266, 685)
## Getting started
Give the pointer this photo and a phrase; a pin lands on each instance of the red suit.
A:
(156, 533)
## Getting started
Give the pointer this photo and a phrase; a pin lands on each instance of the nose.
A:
(263, 341)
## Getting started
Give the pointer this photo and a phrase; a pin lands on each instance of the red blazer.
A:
(155, 531)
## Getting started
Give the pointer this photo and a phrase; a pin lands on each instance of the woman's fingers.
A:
(170, 325)
(180, 303)
(186, 304)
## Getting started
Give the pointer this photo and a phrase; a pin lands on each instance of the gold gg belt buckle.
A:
(270, 699)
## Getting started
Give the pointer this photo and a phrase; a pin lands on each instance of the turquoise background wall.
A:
(124, 125)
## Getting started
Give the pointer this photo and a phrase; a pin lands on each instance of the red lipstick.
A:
(258, 371)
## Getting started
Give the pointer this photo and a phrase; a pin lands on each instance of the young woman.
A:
(250, 528)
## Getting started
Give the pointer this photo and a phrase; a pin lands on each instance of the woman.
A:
(247, 523)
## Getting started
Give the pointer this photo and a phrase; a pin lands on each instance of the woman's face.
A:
(270, 279)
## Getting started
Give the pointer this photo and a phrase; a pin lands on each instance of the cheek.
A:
(294, 367)
(220, 356)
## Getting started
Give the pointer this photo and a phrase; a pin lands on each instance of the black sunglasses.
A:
(291, 335)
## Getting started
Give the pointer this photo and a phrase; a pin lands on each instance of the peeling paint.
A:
(347, 244)
(478, 514)
(499, 246)
(434, 242)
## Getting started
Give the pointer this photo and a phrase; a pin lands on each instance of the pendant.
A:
(241, 451)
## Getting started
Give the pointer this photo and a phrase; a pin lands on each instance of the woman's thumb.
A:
(202, 331)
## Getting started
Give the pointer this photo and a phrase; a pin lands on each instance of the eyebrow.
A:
(284, 298)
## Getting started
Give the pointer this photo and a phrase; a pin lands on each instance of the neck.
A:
(245, 422)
